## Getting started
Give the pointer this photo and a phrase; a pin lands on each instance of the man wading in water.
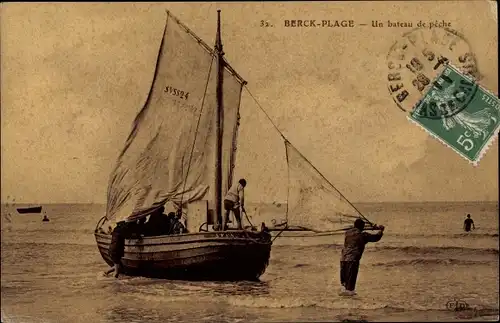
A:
(354, 245)
(116, 249)
(468, 223)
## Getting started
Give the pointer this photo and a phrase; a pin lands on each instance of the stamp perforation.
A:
(434, 135)
(492, 136)
(489, 142)
(485, 147)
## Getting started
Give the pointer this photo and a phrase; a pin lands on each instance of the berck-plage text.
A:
(319, 23)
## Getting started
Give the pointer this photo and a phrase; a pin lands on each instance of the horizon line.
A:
(253, 202)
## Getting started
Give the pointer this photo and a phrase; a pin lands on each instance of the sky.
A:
(74, 76)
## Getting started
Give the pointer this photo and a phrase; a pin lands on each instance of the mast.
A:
(218, 121)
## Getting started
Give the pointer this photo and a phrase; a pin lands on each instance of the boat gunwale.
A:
(141, 252)
(208, 239)
(225, 241)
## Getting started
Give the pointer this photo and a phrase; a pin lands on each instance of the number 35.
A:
(464, 142)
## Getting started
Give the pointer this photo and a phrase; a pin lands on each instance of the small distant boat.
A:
(34, 209)
(45, 219)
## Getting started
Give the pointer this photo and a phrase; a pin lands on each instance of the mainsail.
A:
(169, 154)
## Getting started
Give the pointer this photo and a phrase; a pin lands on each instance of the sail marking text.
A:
(176, 92)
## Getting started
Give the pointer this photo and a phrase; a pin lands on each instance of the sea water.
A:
(425, 263)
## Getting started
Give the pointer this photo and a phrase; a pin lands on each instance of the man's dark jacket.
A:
(354, 244)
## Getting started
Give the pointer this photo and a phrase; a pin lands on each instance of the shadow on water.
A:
(245, 288)
(134, 314)
(175, 288)
(174, 313)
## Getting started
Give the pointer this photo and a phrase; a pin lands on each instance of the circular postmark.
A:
(414, 62)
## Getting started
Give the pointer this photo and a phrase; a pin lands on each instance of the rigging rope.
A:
(286, 154)
(318, 234)
(287, 141)
(268, 117)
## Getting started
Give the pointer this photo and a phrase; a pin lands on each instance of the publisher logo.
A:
(457, 305)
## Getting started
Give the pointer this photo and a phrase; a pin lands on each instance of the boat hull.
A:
(227, 255)
(24, 210)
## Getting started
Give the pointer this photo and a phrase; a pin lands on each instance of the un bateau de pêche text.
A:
(374, 23)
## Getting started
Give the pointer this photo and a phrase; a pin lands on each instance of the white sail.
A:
(313, 202)
(169, 154)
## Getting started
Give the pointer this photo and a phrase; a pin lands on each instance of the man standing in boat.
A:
(235, 198)
(177, 226)
(354, 245)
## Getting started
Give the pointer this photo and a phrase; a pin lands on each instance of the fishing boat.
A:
(180, 155)
(33, 209)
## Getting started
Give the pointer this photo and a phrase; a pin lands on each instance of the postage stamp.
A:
(460, 113)
(417, 57)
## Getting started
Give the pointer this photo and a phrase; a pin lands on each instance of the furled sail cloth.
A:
(169, 155)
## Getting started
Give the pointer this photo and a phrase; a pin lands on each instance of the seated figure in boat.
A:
(171, 219)
(135, 229)
(158, 223)
(177, 226)
(117, 248)
(109, 231)
(235, 198)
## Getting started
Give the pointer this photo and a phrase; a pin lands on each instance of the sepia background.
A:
(73, 77)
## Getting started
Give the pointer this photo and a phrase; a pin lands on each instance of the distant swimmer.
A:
(45, 219)
(354, 246)
(468, 223)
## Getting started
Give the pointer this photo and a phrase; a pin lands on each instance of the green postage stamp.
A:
(459, 113)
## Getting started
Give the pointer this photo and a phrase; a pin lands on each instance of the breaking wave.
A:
(432, 250)
(357, 302)
(405, 249)
(423, 261)
(338, 303)
(470, 235)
